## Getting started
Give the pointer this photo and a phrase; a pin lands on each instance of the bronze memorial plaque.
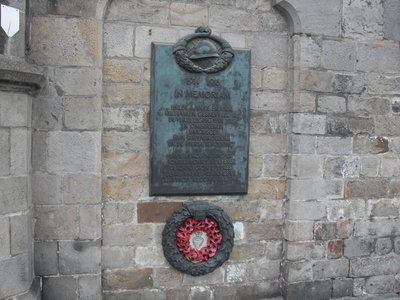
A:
(200, 103)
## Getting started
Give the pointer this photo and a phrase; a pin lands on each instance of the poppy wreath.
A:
(179, 238)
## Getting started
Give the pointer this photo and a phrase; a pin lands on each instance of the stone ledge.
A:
(18, 75)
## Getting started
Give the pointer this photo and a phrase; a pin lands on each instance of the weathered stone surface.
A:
(156, 212)
(53, 285)
(381, 284)
(82, 113)
(373, 266)
(306, 166)
(369, 166)
(302, 144)
(47, 113)
(149, 256)
(331, 104)
(247, 252)
(378, 57)
(367, 188)
(45, 188)
(188, 14)
(263, 270)
(370, 145)
(153, 12)
(83, 188)
(46, 258)
(266, 189)
(361, 19)
(15, 109)
(277, 46)
(13, 194)
(56, 222)
(386, 126)
(145, 35)
(307, 52)
(128, 279)
(116, 213)
(124, 189)
(269, 101)
(274, 165)
(342, 167)
(118, 39)
(357, 247)
(352, 84)
(334, 249)
(318, 290)
(73, 151)
(89, 287)
(383, 246)
(391, 20)
(126, 94)
(317, 81)
(72, 8)
(266, 231)
(127, 235)
(383, 207)
(309, 124)
(342, 288)
(21, 233)
(305, 250)
(348, 126)
(339, 55)
(117, 257)
(304, 102)
(65, 41)
(274, 79)
(20, 151)
(345, 209)
(16, 276)
(299, 230)
(126, 164)
(4, 151)
(226, 18)
(376, 227)
(126, 71)
(310, 189)
(383, 84)
(334, 145)
(124, 118)
(167, 277)
(4, 238)
(260, 290)
(201, 292)
(78, 81)
(90, 222)
(368, 106)
(298, 271)
(79, 257)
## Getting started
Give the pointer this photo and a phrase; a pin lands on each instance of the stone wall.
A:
(133, 263)
(321, 219)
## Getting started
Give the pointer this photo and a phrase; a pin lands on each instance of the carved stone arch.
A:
(290, 13)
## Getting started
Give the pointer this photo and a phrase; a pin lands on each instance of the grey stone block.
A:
(331, 104)
(381, 284)
(72, 8)
(377, 227)
(342, 288)
(118, 40)
(277, 46)
(143, 39)
(369, 188)
(348, 126)
(68, 41)
(310, 189)
(124, 118)
(316, 290)
(78, 81)
(149, 256)
(306, 210)
(309, 124)
(363, 144)
(383, 207)
(53, 285)
(269, 101)
(188, 14)
(396, 243)
(120, 142)
(56, 222)
(90, 222)
(339, 55)
(325, 269)
(268, 144)
(73, 152)
(387, 125)
(338, 210)
(373, 266)
(302, 144)
(369, 166)
(127, 235)
(216, 277)
(47, 113)
(81, 188)
(4, 237)
(383, 84)
(352, 84)
(304, 102)
(368, 106)
(13, 194)
(15, 275)
(154, 12)
(307, 52)
(15, 109)
(391, 19)
(360, 19)
(39, 150)
(21, 233)
(117, 257)
(4, 151)
(390, 167)
(298, 271)
(315, 81)
(46, 258)
(339, 167)
(306, 166)
(200, 293)
(299, 230)
(383, 246)
(118, 213)
(82, 113)
(20, 151)
(45, 188)
(274, 166)
(226, 18)
(79, 257)
(379, 57)
(311, 250)
(357, 247)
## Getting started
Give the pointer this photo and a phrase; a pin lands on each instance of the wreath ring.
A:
(198, 211)
(182, 56)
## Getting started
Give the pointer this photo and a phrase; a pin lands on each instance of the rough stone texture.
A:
(133, 279)
(79, 257)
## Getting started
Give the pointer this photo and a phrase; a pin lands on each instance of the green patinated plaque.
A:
(200, 102)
